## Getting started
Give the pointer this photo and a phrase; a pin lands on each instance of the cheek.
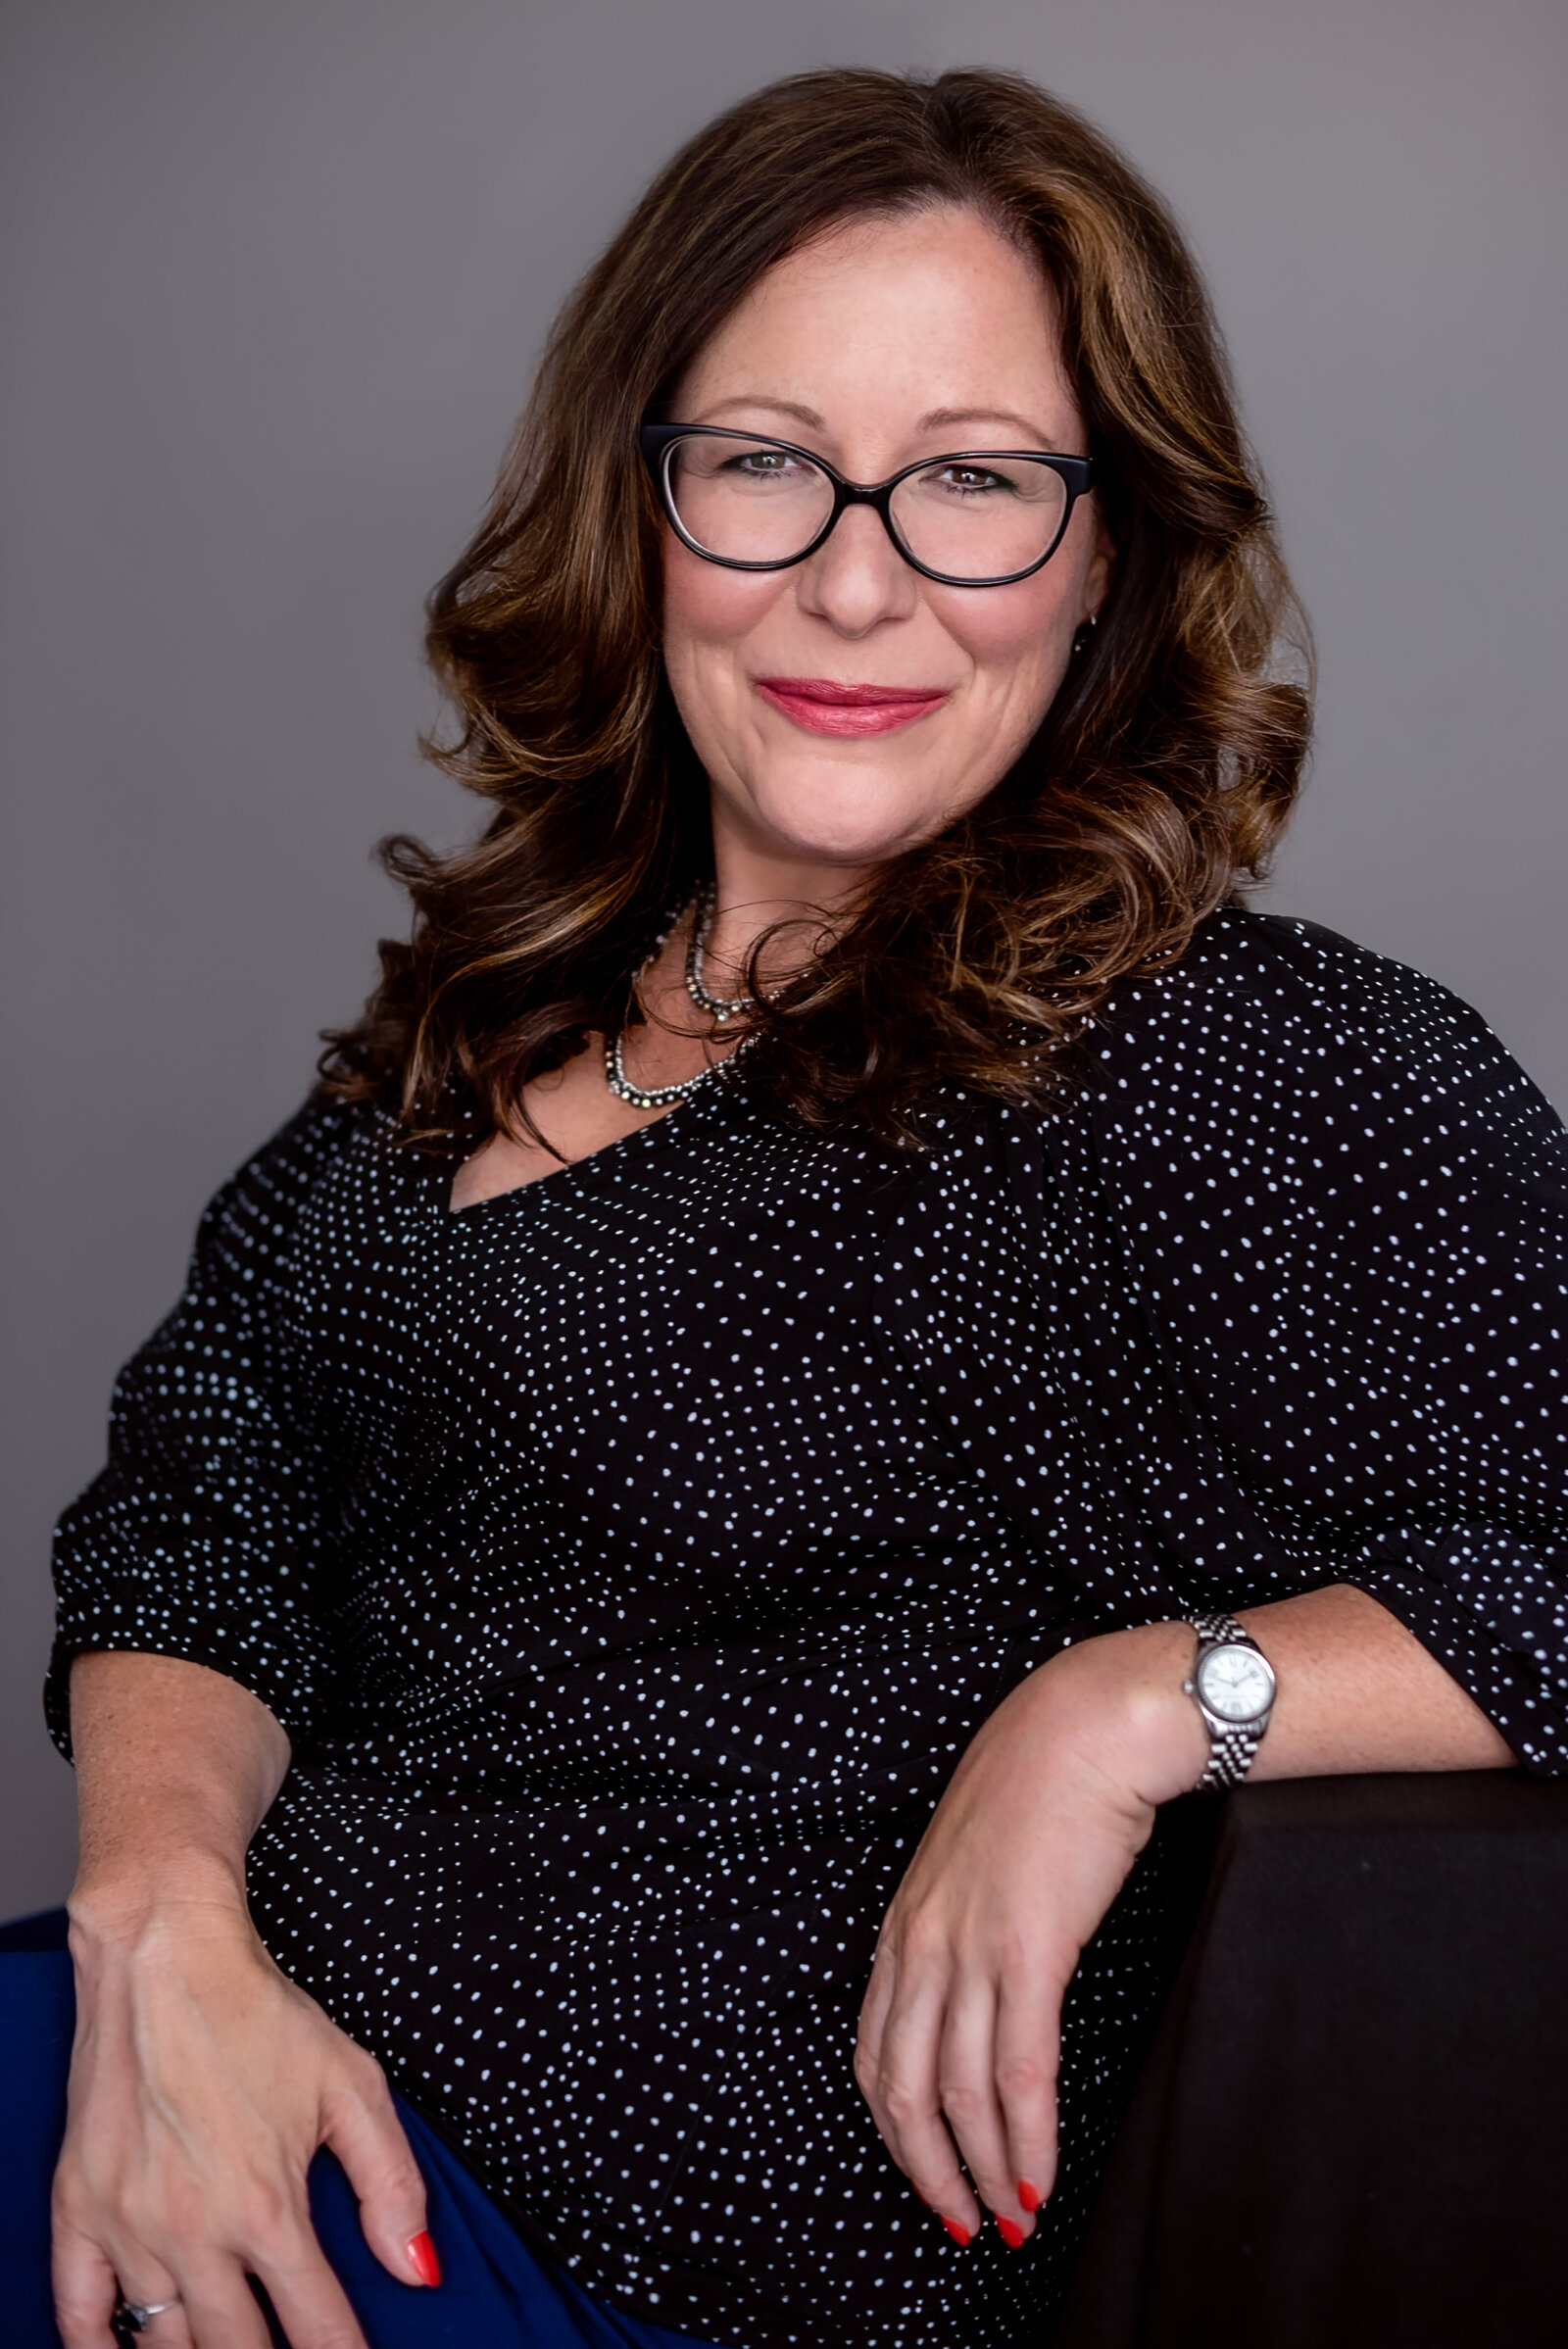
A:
(1018, 638)
(1011, 628)
(707, 609)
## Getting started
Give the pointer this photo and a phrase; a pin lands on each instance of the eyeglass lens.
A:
(756, 502)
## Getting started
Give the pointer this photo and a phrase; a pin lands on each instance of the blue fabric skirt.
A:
(493, 2289)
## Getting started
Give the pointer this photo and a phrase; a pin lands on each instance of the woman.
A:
(847, 1326)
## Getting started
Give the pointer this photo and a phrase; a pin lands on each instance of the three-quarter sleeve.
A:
(1348, 1211)
(208, 1533)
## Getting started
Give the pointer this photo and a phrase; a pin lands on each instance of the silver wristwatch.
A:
(1233, 1687)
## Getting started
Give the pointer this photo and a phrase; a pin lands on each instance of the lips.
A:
(823, 706)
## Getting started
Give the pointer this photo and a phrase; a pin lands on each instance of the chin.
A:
(838, 827)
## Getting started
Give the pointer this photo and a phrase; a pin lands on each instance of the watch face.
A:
(1235, 1683)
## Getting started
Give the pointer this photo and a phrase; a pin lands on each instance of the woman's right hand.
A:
(202, 2084)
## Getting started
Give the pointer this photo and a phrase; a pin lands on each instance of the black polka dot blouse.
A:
(630, 1557)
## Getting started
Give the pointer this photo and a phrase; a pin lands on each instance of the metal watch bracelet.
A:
(1236, 1705)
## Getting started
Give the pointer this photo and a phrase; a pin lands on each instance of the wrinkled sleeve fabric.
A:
(1347, 1211)
(207, 1536)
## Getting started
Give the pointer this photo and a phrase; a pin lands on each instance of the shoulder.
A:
(1265, 998)
(1276, 978)
(265, 1198)
(1275, 1040)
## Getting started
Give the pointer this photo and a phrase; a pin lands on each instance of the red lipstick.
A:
(824, 707)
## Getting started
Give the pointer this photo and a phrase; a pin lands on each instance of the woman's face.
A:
(886, 341)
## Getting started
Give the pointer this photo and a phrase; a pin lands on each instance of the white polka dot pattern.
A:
(631, 1556)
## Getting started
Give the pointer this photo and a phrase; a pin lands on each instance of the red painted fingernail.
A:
(959, 2234)
(1011, 2233)
(1028, 2197)
(422, 2260)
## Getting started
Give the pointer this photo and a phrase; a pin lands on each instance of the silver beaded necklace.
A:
(719, 1007)
(646, 1097)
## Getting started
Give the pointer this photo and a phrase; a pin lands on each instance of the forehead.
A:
(925, 311)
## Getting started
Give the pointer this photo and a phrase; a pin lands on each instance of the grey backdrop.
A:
(273, 279)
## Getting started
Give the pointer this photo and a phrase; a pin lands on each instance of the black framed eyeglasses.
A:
(974, 517)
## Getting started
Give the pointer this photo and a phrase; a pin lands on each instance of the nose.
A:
(857, 579)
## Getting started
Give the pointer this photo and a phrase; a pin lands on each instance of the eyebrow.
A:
(935, 420)
(944, 417)
(790, 407)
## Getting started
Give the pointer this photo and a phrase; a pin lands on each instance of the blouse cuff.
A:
(192, 1602)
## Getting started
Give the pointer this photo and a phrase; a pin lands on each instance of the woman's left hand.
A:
(1048, 1808)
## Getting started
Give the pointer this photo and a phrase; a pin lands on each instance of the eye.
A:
(761, 465)
(969, 480)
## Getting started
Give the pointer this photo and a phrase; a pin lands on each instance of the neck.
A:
(755, 891)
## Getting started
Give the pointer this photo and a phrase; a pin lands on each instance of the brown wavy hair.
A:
(1156, 784)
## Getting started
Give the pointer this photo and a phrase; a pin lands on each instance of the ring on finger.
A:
(138, 2313)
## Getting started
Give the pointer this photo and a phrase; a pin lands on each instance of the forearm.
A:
(1357, 1692)
(177, 1766)
(202, 2079)
(1046, 1812)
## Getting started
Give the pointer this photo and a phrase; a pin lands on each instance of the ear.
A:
(1100, 568)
